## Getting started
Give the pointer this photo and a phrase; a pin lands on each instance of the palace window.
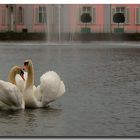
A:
(41, 14)
(3, 13)
(91, 11)
(123, 10)
(20, 15)
(120, 10)
(137, 16)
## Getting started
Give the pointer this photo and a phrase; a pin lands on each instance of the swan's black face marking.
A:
(26, 63)
(21, 72)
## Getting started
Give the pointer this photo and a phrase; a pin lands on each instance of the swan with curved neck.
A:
(13, 72)
(28, 65)
(10, 95)
(50, 88)
(29, 97)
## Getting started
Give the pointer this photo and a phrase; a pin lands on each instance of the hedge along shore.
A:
(19, 36)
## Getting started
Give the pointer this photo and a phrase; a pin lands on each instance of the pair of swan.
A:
(23, 93)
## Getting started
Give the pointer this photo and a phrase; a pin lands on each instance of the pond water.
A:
(102, 82)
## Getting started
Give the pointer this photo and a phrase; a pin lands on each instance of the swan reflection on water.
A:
(30, 119)
(33, 117)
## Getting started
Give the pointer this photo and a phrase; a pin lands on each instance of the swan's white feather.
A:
(62, 89)
(37, 93)
(20, 83)
(10, 96)
(51, 87)
(30, 99)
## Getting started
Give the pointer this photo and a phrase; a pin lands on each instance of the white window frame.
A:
(43, 13)
(91, 14)
(94, 15)
(3, 21)
(37, 14)
(125, 14)
(20, 17)
(137, 23)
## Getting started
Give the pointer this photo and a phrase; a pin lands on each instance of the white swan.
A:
(51, 87)
(20, 82)
(10, 95)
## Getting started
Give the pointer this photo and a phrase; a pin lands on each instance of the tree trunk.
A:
(118, 25)
(85, 25)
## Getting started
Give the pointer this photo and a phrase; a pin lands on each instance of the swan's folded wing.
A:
(51, 86)
(61, 90)
(10, 94)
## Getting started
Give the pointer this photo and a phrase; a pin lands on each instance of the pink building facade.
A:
(65, 18)
(132, 16)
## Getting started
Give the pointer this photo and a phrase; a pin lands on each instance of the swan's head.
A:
(27, 64)
(18, 70)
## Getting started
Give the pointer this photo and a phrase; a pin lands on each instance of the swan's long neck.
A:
(11, 76)
(30, 76)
